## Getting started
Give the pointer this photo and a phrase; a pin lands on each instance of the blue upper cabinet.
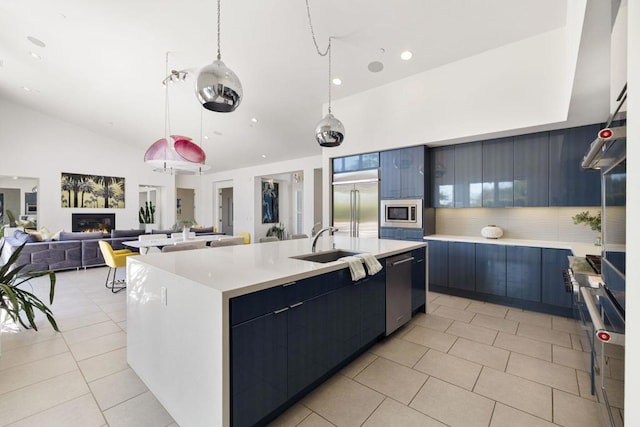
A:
(497, 173)
(467, 191)
(569, 184)
(442, 176)
(402, 173)
(531, 170)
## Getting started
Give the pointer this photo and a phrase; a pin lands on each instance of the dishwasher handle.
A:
(402, 261)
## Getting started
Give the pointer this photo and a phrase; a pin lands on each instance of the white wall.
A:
(632, 368)
(40, 146)
(246, 193)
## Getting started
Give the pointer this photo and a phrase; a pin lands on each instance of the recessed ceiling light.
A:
(337, 81)
(35, 55)
(27, 89)
(264, 156)
(206, 137)
(36, 41)
(375, 66)
(254, 120)
(406, 55)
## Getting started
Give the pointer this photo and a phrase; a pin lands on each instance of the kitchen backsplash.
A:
(518, 223)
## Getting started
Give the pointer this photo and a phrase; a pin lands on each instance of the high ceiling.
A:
(104, 61)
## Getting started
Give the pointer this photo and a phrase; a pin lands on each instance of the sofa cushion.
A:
(168, 232)
(24, 237)
(66, 235)
(126, 233)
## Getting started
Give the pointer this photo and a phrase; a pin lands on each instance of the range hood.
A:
(606, 148)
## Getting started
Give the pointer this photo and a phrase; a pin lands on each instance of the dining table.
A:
(161, 242)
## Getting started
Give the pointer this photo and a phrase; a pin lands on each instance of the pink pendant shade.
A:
(179, 153)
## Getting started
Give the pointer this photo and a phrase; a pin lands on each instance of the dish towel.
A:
(373, 265)
(355, 267)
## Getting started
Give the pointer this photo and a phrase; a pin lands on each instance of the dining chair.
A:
(146, 237)
(230, 241)
(268, 239)
(185, 246)
(190, 235)
(299, 236)
(246, 235)
(114, 260)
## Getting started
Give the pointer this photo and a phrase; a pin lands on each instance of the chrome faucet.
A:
(315, 239)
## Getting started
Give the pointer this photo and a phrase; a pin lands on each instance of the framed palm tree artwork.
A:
(91, 191)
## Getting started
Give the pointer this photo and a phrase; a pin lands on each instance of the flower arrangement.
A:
(147, 213)
(593, 221)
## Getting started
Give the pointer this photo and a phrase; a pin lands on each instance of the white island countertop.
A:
(238, 270)
(578, 248)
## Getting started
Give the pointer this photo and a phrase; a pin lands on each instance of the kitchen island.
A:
(194, 316)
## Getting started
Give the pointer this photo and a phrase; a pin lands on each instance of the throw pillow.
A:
(36, 234)
(24, 237)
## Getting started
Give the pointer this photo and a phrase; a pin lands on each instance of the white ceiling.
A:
(104, 61)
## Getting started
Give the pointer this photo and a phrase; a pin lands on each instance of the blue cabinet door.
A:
(462, 266)
(467, 192)
(554, 262)
(523, 272)
(418, 280)
(569, 184)
(259, 368)
(491, 269)
(497, 173)
(438, 263)
(402, 173)
(442, 172)
(372, 296)
(398, 233)
(531, 170)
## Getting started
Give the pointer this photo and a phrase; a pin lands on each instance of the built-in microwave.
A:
(405, 213)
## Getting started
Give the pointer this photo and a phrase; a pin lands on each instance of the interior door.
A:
(226, 211)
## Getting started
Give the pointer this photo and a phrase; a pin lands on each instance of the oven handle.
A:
(604, 335)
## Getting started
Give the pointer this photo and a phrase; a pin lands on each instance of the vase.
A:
(491, 232)
(598, 240)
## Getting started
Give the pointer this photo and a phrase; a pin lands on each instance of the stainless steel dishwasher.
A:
(398, 291)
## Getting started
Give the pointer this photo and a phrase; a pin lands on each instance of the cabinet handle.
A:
(419, 261)
(288, 284)
(296, 304)
(281, 310)
(402, 261)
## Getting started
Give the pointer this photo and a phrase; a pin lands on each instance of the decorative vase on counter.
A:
(491, 232)
(185, 233)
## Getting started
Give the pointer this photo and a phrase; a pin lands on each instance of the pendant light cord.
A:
(166, 99)
(219, 55)
(325, 53)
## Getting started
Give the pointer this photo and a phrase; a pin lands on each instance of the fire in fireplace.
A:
(104, 222)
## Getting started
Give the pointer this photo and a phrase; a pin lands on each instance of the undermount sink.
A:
(325, 256)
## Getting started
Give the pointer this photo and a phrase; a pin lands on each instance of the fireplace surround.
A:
(104, 222)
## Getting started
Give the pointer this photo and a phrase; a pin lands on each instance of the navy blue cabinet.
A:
(467, 191)
(497, 173)
(491, 269)
(442, 176)
(259, 367)
(438, 263)
(418, 280)
(569, 184)
(531, 170)
(462, 266)
(523, 273)
(402, 173)
(554, 262)
(279, 351)
(399, 233)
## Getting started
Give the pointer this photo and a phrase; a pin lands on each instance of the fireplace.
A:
(104, 222)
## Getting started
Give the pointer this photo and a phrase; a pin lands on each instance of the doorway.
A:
(185, 205)
(226, 211)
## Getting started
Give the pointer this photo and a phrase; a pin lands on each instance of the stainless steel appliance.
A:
(405, 213)
(398, 291)
(355, 203)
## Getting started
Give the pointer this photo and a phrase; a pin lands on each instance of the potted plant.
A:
(593, 221)
(17, 303)
(146, 216)
(276, 230)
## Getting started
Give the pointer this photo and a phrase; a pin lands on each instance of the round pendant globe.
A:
(329, 131)
(218, 88)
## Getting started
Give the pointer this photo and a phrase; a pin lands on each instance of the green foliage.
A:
(19, 303)
(276, 230)
(12, 218)
(593, 221)
(147, 213)
(178, 226)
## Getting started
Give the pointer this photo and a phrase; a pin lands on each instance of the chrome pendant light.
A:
(217, 87)
(329, 131)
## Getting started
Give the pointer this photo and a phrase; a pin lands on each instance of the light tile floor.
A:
(465, 363)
